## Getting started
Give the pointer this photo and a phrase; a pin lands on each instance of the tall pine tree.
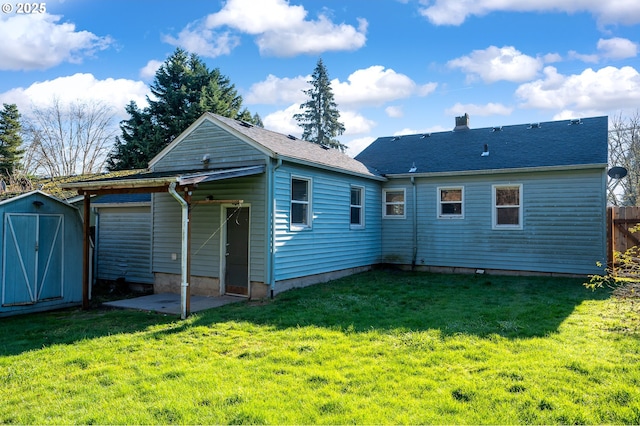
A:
(183, 89)
(10, 139)
(319, 120)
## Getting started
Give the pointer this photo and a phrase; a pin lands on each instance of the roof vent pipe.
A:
(462, 123)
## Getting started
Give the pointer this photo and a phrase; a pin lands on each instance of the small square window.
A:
(451, 203)
(393, 200)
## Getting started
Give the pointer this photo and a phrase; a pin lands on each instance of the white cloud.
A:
(39, 41)
(282, 121)
(606, 89)
(313, 37)
(148, 72)
(116, 93)
(274, 90)
(588, 58)
(196, 38)
(447, 12)
(495, 64)
(394, 111)
(479, 110)
(364, 87)
(280, 29)
(617, 48)
(355, 123)
(356, 146)
(375, 86)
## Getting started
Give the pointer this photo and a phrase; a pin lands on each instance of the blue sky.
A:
(397, 66)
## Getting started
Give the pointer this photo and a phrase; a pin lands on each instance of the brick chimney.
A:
(462, 123)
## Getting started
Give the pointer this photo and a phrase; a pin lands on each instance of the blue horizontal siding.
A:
(564, 225)
(330, 244)
(206, 227)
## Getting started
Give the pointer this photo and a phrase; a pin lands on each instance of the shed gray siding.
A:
(564, 220)
(206, 227)
(124, 244)
(330, 244)
(224, 150)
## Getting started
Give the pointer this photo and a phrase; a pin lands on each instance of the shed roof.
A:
(538, 145)
(279, 145)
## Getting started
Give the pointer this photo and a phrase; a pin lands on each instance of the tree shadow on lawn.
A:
(509, 306)
(22, 333)
(513, 307)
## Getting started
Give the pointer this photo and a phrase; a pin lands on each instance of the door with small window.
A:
(33, 258)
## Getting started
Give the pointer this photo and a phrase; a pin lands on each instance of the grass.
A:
(382, 347)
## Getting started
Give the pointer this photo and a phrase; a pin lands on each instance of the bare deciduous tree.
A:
(624, 151)
(68, 139)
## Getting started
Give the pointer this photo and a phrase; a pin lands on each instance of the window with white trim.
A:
(507, 211)
(356, 207)
(393, 203)
(300, 203)
(451, 202)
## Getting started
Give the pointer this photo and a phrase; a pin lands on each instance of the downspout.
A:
(96, 247)
(185, 246)
(272, 250)
(415, 223)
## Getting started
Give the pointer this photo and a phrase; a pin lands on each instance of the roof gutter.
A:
(499, 171)
(330, 168)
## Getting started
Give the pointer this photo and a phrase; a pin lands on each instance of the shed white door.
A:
(33, 258)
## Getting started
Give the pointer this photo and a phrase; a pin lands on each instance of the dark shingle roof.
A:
(297, 149)
(547, 144)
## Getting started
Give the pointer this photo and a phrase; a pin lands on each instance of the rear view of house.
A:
(522, 198)
(238, 209)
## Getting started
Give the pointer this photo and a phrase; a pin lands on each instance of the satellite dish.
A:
(617, 172)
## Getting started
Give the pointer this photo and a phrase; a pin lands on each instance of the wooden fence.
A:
(619, 236)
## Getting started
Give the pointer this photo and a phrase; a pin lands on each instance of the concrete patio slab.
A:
(169, 303)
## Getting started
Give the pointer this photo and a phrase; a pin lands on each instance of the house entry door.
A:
(32, 260)
(236, 270)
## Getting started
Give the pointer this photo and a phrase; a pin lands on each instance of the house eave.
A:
(316, 165)
(121, 184)
(497, 171)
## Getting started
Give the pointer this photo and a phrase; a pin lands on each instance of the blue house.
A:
(526, 198)
(238, 209)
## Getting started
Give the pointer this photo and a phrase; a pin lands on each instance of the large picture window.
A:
(357, 207)
(451, 203)
(507, 206)
(393, 203)
(300, 202)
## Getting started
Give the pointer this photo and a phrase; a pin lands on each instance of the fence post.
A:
(610, 236)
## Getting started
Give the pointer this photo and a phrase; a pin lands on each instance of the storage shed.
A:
(41, 266)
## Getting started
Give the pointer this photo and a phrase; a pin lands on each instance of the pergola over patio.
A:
(174, 183)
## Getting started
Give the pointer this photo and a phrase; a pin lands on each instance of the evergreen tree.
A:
(183, 89)
(10, 139)
(319, 120)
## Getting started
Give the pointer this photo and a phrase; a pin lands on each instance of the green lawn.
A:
(382, 347)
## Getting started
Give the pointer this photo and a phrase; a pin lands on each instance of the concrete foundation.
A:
(308, 280)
